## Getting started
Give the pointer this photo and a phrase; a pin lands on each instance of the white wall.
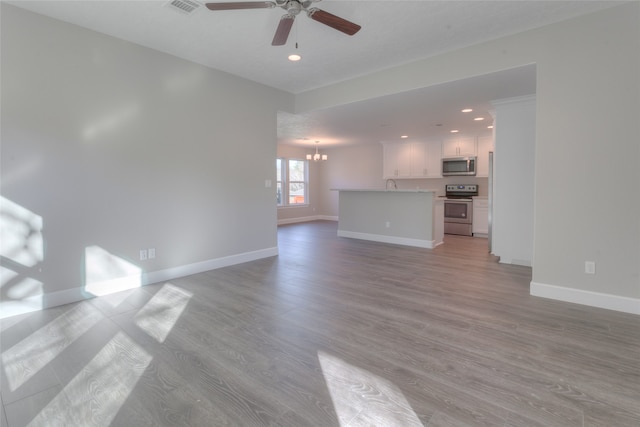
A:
(513, 204)
(116, 147)
(586, 149)
(356, 166)
(588, 141)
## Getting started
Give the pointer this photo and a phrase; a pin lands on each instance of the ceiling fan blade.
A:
(241, 5)
(333, 21)
(282, 32)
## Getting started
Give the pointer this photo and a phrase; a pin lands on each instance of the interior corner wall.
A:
(587, 144)
(513, 173)
(109, 148)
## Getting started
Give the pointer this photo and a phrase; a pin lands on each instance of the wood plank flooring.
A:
(332, 332)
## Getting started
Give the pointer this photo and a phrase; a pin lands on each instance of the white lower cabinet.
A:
(480, 216)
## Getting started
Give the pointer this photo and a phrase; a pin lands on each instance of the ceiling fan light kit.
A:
(293, 8)
(295, 57)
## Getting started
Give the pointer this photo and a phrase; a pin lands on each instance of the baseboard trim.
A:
(590, 298)
(427, 244)
(67, 296)
(307, 219)
(212, 264)
(515, 261)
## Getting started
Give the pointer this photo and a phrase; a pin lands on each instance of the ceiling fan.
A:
(293, 8)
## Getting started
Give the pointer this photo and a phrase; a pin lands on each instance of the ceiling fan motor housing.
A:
(293, 8)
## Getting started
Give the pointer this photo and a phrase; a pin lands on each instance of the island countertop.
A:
(390, 190)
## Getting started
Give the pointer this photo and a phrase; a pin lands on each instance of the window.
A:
(291, 182)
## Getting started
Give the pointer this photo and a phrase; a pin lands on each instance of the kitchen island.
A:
(403, 217)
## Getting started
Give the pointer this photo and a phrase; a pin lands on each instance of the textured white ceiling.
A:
(393, 32)
(239, 41)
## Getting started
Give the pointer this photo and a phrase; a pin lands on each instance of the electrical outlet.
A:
(143, 254)
(590, 267)
(152, 253)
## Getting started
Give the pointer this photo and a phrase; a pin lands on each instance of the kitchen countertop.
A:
(383, 190)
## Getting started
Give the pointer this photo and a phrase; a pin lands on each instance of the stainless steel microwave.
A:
(453, 166)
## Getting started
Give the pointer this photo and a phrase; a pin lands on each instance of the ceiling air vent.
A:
(186, 7)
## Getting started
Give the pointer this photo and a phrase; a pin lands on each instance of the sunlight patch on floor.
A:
(362, 398)
(161, 313)
(25, 359)
(96, 394)
(107, 274)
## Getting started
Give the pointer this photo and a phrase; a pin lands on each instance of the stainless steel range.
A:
(458, 209)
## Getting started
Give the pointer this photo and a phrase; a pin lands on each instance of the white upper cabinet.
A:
(411, 159)
(434, 159)
(396, 160)
(459, 147)
(423, 159)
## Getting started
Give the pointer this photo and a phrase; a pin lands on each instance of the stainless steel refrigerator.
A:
(490, 197)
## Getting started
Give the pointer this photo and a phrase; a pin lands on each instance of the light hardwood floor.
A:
(333, 331)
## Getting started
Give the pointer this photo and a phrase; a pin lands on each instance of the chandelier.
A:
(316, 157)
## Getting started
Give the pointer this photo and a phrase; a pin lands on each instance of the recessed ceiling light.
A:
(478, 119)
(467, 110)
(294, 57)
(404, 136)
(490, 127)
(454, 131)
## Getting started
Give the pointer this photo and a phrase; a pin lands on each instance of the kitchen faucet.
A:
(386, 184)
